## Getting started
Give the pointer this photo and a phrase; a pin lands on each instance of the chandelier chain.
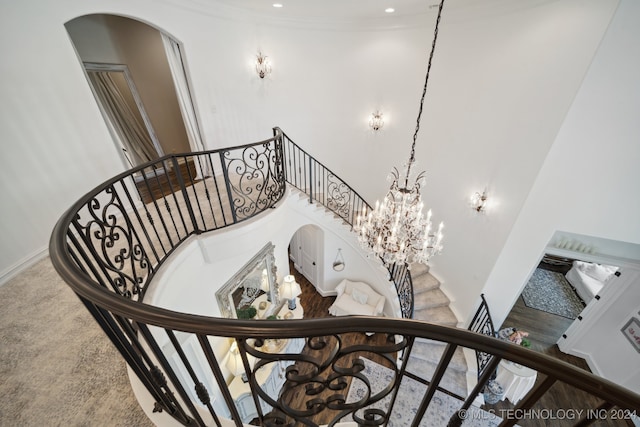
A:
(396, 229)
(424, 93)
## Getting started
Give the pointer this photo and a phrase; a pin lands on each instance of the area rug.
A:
(410, 395)
(549, 291)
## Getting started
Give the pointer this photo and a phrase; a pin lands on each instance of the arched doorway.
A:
(137, 74)
(306, 250)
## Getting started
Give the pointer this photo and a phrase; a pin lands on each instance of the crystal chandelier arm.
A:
(412, 157)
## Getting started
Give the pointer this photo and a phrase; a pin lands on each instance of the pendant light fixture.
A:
(396, 229)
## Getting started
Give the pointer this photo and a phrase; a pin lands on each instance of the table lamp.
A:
(290, 289)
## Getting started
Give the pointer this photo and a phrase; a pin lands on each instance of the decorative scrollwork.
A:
(322, 375)
(482, 324)
(338, 196)
(255, 178)
(108, 235)
(405, 297)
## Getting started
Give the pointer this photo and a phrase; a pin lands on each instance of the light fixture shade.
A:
(338, 264)
(263, 65)
(290, 288)
(234, 360)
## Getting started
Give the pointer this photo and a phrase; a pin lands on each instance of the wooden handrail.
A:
(118, 308)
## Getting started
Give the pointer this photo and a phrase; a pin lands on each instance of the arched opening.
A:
(305, 251)
(137, 75)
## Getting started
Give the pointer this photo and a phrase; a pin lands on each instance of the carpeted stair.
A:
(424, 360)
(432, 305)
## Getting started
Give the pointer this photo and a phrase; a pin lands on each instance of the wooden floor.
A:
(545, 329)
(158, 185)
(316, 306)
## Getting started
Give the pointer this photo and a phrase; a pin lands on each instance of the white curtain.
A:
(174, 56)
(133, 134)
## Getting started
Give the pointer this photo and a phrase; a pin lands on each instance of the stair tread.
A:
(418, 269)
(430, 352)
(439, 315)
(430, 299)
(424, 282)
(452, 380)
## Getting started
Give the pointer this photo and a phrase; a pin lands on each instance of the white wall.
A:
(503, 77)
(210, 260)
(602, 321)
(588, 184)
(55, 145)
(118, 40)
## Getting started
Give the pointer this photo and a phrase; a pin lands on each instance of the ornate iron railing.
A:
(108, 246)
(323, 186)
(482, 324)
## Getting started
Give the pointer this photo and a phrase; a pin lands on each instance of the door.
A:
(124, 112)
(306, 250)
(309, 253)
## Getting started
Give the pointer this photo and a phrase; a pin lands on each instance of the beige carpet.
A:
(57, 367)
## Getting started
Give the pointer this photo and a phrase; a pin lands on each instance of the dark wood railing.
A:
(482, 323)
(108, 247)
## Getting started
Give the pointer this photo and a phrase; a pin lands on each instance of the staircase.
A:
(432, 305)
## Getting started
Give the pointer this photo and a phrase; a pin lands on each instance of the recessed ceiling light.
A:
(389, 10)
(277, 5)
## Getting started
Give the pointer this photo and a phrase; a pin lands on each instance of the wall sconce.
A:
(376, 122)
(290, 289)
(338, 264)
(479, 201)
(263, 65)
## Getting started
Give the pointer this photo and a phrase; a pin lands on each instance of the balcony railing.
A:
(323, 186)
(109, 245)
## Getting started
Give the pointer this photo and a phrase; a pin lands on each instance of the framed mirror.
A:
(254, 285)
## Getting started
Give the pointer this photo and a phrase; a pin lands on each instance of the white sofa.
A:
(357, 298)
(588, 278)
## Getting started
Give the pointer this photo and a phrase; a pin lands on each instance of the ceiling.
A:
(332, 9)
(364, 14)
(336, 12)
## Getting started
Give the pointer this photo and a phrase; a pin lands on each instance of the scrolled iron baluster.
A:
(338, 197)
(324, 380)
(114, 244)
(259, 182)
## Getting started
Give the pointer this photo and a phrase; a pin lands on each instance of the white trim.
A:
(23, 264)
(184, 93)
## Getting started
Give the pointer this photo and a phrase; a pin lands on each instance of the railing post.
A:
(310, 180)
(225, 172)
(532, 397)
(280, 160)
(456, 418)
(433, 386)
(183, 188)
(222, 384)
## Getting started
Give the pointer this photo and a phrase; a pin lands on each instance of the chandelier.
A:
(396, 230)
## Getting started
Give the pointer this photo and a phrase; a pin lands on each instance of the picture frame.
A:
(245, 286)
(631, 331)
